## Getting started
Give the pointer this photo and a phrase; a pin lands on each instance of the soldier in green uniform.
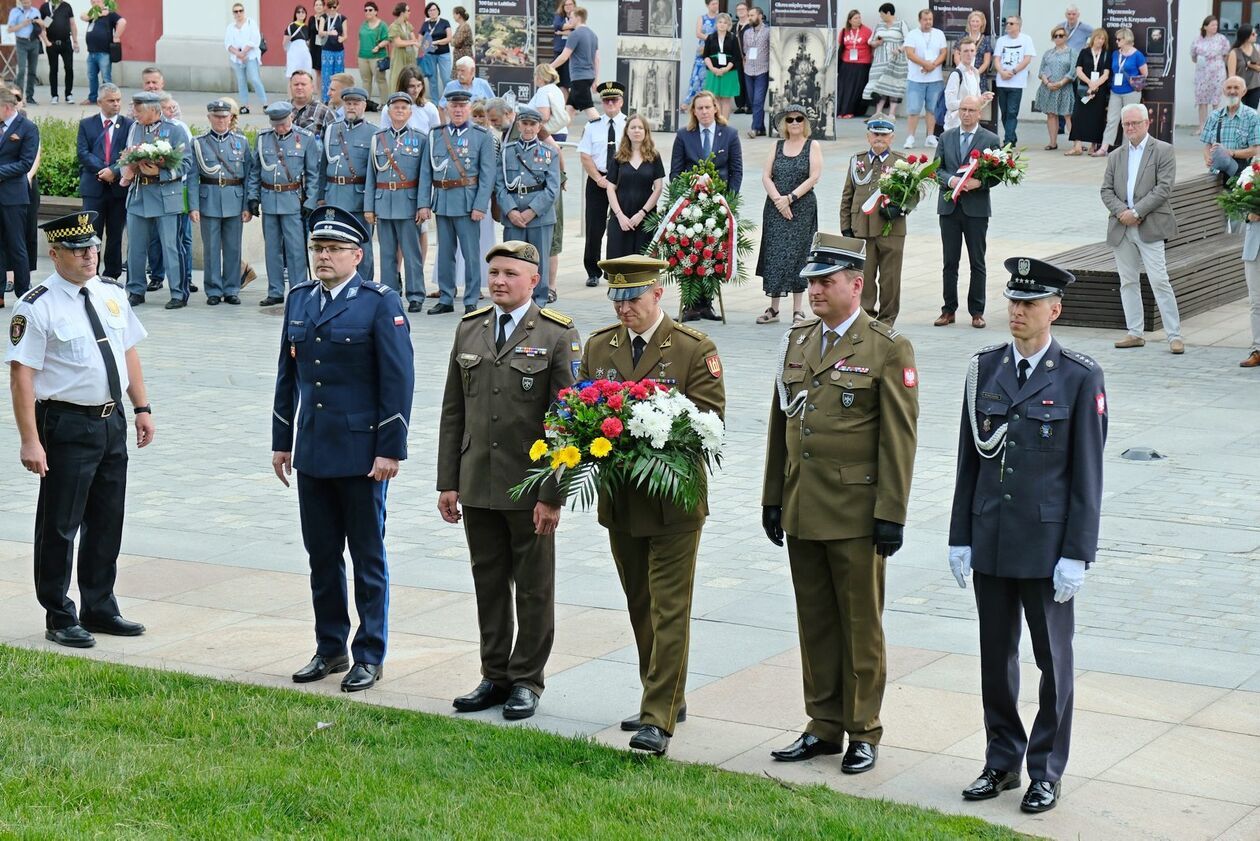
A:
(653, 542)
(882, 277)
(839, 457)
(507, 364)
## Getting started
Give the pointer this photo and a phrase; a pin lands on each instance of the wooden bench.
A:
(1204, 265)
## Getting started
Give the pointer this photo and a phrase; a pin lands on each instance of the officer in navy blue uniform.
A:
(346, 356)
(19, 146)
(1027, 502)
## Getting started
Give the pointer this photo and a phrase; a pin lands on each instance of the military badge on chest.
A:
(527, 383)
(847, 399)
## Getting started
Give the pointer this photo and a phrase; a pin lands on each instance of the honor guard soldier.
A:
(527, 185)
(654, 543)
(343, 173)
(393, 195)
(346, 358)
(72, 355)
(155, 199)
(882, 277)
(456, 180)
(596, 150)
(217, 200)
(1027, 503)
(507, 364)
(839, 457)
(283, 181)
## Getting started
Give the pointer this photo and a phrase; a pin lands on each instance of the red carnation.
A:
(710, 239)
(673, 261)
(650, 384)
(1255, 167)
(608, 387)
(1247, 186)
(720, 268)
(611, 427)
(673, 240)
(702, 270)
(689, 271)
(694, 258)
(685, 242)
(615, 401)
(975, 153)
(638, 392)
(563, 393)
(589, 395)
(721, 253)
(708, 253)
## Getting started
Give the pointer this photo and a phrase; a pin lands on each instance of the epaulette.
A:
(35, 294)
(268, 130)
(1080, 358)
(378, 288)
(558, 317)
(304, 131)
(886, 330)
(476, 313)
(804, 324)
(607, 329)
(113, 281)
(306, 284)
(990, 348)
(690, 331)
(479, 128)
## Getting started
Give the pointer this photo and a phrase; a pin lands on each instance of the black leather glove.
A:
(848, 232)
(254, 207)
(772, 522)
(891, 211)
(887, 537)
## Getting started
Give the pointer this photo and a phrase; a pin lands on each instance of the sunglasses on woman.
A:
(797, 119)
(1059, 35)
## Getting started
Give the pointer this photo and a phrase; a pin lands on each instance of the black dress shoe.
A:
(439, 309)
(807, 746)
(650, 738)
(551, 296)
(362, 676)
(592, 281)
(112, 625)
(154, 285)
(708, 314)
(176, 304)
(414, 306)
(990, 784)
(192, 287)
(1042, 796)
(521, 703)
(232, 299)
(213, 300)
(859, 758)
(469, 308)
(135, 300)
(632, 724)
(270, 301)
(485, 696)
(691, 315)
(321, 667)
(73, 637)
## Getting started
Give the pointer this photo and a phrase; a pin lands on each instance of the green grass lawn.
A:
(95, 749)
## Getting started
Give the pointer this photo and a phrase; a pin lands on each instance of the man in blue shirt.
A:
(466, 79)
(26, 24)
(1232, 132)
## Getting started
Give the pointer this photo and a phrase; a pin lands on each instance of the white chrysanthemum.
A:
(671, 227)
(647, 421)
(162, 146)
(710, 428)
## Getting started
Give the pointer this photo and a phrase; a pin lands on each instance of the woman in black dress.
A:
(790, 218)
(1093, 76)
(636, 177)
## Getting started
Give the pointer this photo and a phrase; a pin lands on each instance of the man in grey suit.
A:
(155, 199)
(1027, 505)
(456, 180)
(1136, 189)
(392, 199)
(966, 216)
(527, 184)
(344, 168)
(218, 202)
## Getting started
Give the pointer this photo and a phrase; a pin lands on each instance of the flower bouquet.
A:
(605, 435)
(95, 12)
(991, 167)
(1242, 195)
(699, 233)
(902, 186)
(157, 155)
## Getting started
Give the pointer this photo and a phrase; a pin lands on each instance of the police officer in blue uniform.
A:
(456, 180)
(1027, 502)
(345, 354)
(392, 200)
(527, 184)
(217, 201)
(282, 182)
(343, 172)
(155, 200)
(19, 146)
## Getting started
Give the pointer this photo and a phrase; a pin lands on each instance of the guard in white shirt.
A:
(72, 355)
(599, 142)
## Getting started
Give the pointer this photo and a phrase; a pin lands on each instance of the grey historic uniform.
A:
(393, 194)
(285, 171)
(343, 177)
(153, 205)
(456, 178)
(529, 178)
(217, 188)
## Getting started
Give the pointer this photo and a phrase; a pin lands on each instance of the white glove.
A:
(960, 564)
(1069, 575)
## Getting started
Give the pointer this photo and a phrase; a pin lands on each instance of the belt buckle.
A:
(221, 180)
(107, 410)
(339, 180)
(521, 190)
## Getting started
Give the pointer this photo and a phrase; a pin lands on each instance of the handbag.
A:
(382, 64)
(427, 64)
(262, 45)
(115, 52)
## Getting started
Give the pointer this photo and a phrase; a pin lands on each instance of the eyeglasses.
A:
(238, 11)
(797, 119)
(1059, 35)
(1133, 123)
(81, 252)
(318, 250)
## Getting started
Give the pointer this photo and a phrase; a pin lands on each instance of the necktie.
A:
(325, 301)
(636, 350)
(964, 143)
(102, 342)
(830, 337)
(109, 144)
(612, 143)
(706, 144)
(1022, 376)
(505, 321)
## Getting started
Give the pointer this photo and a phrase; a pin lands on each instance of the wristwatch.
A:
(147, 408)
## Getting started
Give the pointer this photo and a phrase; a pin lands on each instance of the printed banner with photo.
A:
(1154, 25)
(504, 47)
(950, 16)
(647, 59)
(802, 63)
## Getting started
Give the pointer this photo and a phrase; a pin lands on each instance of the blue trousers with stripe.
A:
(336, 512)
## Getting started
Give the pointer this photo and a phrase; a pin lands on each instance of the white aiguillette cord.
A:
(997, 441)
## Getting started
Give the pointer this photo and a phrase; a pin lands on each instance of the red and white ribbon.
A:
(875, 202)
(964, 172)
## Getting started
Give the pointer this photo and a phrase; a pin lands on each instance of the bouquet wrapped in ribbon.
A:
(606, 435)
(902, 186)
(699, 233)
(991, 167)
(150, 157)
(1242, 194)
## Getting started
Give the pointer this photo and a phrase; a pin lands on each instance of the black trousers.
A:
(14, 255)
(110, 222)
(81, 496)
(956, 228)
(596, 222)
(999, 602)
(63, 50)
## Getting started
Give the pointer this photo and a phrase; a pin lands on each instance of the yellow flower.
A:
(570, 456)
(601, 447)
(537, 451)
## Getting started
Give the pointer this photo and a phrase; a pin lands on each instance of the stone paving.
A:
(1167, 729)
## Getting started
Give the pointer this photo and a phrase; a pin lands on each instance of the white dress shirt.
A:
(594, 140)
(1034, 360)
(1135, 163)
(516, 315)
(648, 333)
(840, 329)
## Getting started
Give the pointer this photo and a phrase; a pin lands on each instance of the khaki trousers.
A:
(883, 254)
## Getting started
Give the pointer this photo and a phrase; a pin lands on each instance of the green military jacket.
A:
(860, 183)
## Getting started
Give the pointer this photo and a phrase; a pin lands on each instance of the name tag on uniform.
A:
(296, 323)
(851, 369)
(530, 351)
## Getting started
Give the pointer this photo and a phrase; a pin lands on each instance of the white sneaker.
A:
(69, 100)
(909, 144)
(931, 141)
(54, 100)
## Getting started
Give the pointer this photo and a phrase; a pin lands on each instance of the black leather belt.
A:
(102, 411)
(521, 191)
